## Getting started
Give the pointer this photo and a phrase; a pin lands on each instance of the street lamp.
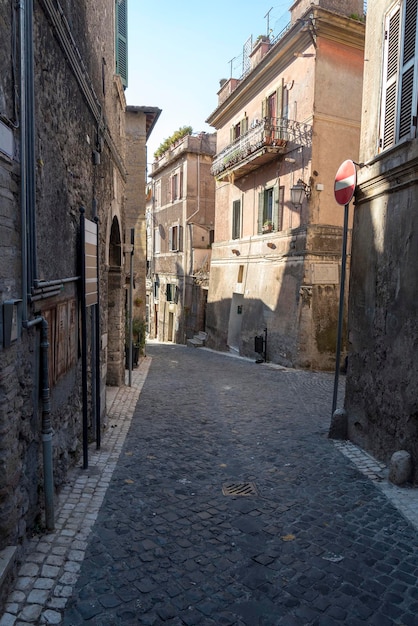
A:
(298, 191)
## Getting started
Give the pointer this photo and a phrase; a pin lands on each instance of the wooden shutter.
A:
(121, 43)
(279, 112)
(264, 108)
(170, 238)
(390, 78)
(236, 221)
(408, 97)
(179, 238)
(260, 212)
(275, 211)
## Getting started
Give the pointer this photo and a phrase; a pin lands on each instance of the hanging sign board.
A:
(90, 255)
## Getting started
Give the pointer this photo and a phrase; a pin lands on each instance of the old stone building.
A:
(381, 392)
(63, 160)
(283, 128)
(140, 121)
(180, 233)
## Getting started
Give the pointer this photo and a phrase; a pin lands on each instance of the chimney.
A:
(260, 48)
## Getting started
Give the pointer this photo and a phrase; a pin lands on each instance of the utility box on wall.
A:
(12, 321)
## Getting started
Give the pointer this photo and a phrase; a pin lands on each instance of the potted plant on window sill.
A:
(267, 226)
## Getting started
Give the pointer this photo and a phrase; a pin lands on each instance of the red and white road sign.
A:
(345, 182)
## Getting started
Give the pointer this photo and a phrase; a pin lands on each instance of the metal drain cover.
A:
(239, 489)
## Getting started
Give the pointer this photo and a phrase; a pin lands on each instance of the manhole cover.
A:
(239, 489)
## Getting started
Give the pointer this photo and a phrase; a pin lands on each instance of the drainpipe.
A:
(28, 243)
(46, 428)
(23, 159)
(30, 139)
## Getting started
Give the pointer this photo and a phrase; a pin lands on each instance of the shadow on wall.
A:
(381, 400)
(301, 322)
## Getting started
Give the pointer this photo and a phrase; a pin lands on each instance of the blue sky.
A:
(178, 52)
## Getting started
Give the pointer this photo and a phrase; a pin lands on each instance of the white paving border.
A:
(53, 561)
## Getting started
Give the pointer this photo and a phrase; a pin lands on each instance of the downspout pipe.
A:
(46, 427)
(28, 238)
(23, 158)
(30, 139)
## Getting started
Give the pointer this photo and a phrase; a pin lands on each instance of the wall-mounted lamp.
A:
(237, 252)
(297, 192)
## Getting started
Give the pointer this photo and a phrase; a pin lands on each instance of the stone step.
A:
(194, 343)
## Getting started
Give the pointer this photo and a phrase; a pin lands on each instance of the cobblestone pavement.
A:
(156, 533)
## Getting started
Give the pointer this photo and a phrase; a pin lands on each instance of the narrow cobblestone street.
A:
(314, 541)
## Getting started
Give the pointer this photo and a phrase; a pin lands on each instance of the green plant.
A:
(170, 141)
(359, 18)
(138, 333)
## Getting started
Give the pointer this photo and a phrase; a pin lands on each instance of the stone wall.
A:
(79, 109)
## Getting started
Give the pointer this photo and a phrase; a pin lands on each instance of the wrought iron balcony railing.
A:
(270, 135)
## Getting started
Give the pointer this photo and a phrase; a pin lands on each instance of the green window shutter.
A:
(121, 43)
(236, 219)
(260, 212)
(275, 212)
(279, 110)
(279, 99)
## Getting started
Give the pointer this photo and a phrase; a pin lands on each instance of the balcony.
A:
(262, 143)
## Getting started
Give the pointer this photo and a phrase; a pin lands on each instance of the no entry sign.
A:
(345, 182)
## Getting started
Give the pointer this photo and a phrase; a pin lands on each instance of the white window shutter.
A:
(408, 87)
(390, 78)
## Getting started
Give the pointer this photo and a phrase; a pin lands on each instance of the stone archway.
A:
(116, 322)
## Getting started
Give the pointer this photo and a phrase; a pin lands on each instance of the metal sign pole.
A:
(84, 338)
(341, 308)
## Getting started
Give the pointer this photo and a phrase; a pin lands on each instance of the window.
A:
(239, 129)
(157, 241)
(240, 274)
(400, 85)
(171, 292)
(181, 184)
(157, 287)
(275, 109)
(175, 238)
(268, 210)
(236, 219)
(174, 187)
(157, 194)
(121, 43)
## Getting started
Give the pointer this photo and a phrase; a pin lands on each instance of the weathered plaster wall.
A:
(381, 398)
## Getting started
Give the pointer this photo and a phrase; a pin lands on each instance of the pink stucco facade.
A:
(295, 116)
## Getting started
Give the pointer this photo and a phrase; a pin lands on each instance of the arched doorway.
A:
(115, 303)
